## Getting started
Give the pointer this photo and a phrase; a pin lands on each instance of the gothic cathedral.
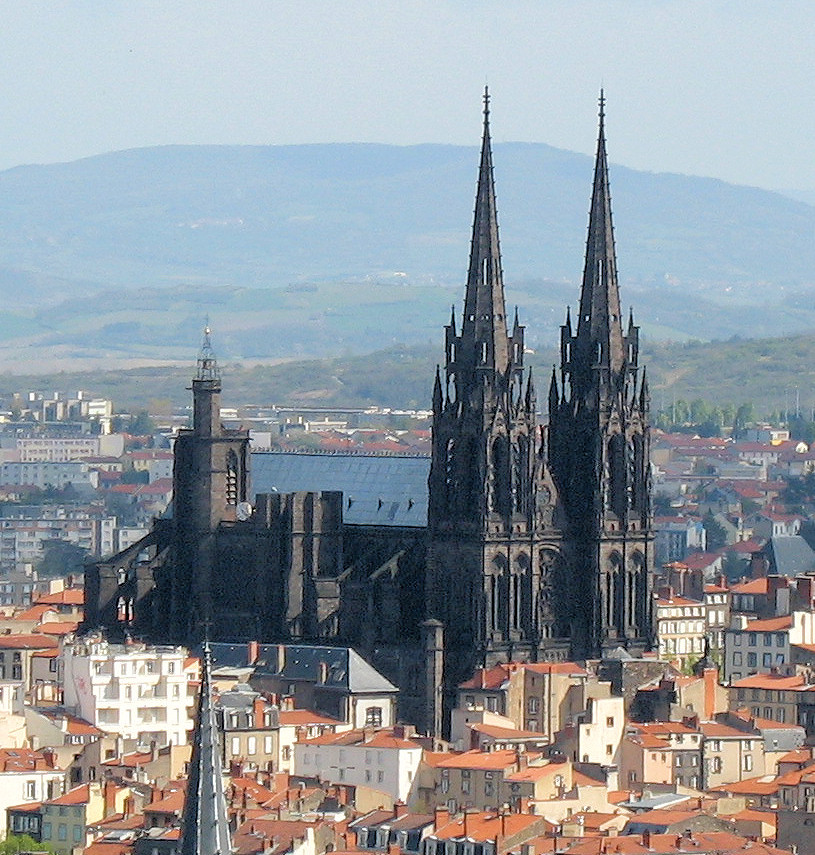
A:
(540, 534)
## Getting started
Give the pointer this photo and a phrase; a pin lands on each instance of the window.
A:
(62, 831)
(751, 639)
(748, 763)
(236, 746)
(737, 639)
(610, 721)
(31, 789)
(251, 745)
(268, 747)
(77, 834)
(532, 705)
(465, 781)
(367, 774)
(445, 780)
(767, 660)
(780, 638)
(380, 776)
(737, 658)
(768, 639)
(373, 717)
(609, 750)
(752, 660)
(46, 830)
(286, 751)
(171, 667)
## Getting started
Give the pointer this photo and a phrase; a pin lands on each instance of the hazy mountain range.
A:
(323, 249)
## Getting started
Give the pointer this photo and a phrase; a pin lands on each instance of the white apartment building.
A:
(43, 474)
(139, 692)
(22, 538)
(384, 760)
(62, 448)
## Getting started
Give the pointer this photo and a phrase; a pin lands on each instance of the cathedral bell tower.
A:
(210, 481)
(599, 450)
(494, 555)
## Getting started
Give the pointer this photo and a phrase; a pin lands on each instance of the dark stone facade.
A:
(538, 542)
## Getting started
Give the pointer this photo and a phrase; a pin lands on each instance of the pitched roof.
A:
(386, 489)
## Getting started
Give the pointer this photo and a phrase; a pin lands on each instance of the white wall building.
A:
(384, 760)
(44, 474)
(60, 449)
(137, 691)
(600, 736)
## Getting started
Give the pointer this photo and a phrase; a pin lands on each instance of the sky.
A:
(721, 89)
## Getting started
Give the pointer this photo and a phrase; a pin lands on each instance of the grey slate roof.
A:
(790, 554)
(345, 668)
(377, 489)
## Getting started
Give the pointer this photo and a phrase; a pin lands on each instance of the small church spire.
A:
(599, 325)
(484, 339)
(207, 363)
(205, 824)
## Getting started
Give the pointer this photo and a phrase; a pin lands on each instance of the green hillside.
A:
(765, 372)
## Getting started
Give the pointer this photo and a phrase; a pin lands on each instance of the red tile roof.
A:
(66, 597)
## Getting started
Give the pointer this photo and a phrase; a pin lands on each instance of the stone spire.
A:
(484, 341)
(599, 337)
(205, 825)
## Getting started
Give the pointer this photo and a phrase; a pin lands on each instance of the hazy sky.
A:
(723, 89)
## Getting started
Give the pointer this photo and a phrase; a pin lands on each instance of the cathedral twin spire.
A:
(600, 324)
(484, 340)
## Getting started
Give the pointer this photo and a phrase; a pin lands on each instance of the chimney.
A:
(252, 652)
(646, 838)
(441, 817)
(281, 658)
(399, 809)
(258, 708)
(710, 677)
(109, 794)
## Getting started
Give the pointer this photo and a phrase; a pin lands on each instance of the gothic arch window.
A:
(520, 474)
(500, 589)
(523, 572)
(231, 478)
(637, 474)
(640, 590)
(617, 466)
(615, 593)
(552, 609)
(500, 476)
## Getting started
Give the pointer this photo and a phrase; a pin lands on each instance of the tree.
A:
(18, 844)
(142, 425)
(715, 534)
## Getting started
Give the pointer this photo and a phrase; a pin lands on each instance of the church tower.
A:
(210, 481)
(599, 449)
(494, 575)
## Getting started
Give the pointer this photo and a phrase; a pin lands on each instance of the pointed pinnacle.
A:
(553, 394)
(530, 390)
(569, 319)
(517, 322)
(437, 396)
